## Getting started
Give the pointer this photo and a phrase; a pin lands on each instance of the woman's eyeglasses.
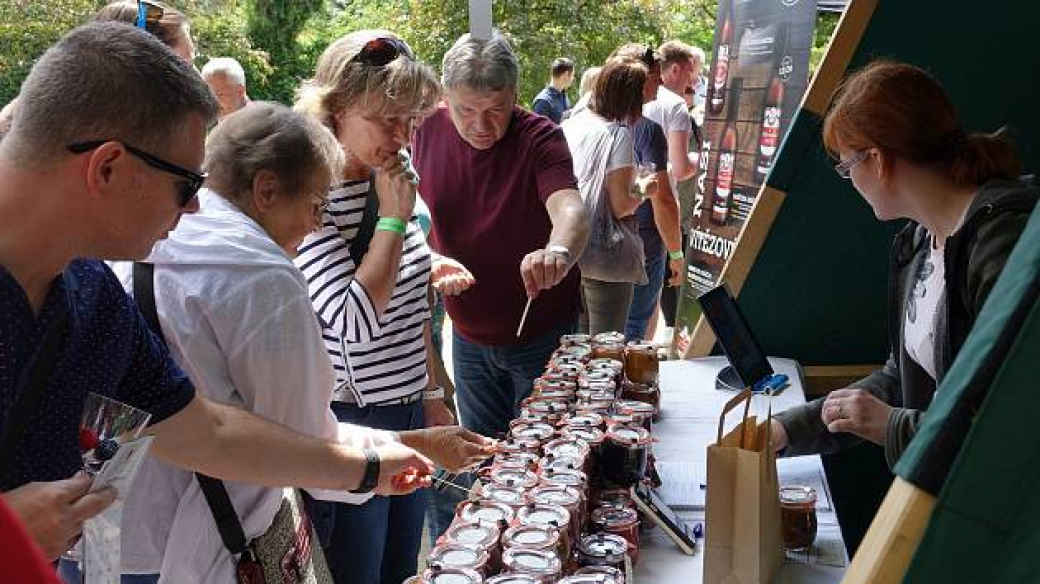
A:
(844, 168)
(186, 189)
(382, 51)
(148, 15)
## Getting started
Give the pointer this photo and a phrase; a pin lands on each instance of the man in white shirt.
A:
(680, 75)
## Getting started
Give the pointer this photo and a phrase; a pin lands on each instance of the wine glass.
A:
(106, 424)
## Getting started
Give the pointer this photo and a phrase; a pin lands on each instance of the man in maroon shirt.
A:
(499, 182)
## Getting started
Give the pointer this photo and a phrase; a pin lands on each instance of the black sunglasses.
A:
(148, 15)
(382, 51)
(186, 190)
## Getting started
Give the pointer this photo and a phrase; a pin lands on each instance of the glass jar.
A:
(484, 511)
(509, 494)
(542, 384)
(613, 575)
(551, 411)
(616, 498)
(437, 574)
(644, 412)
(566, 447)
(608, 337)
(619, 521)
(569, 371)
(641, 363)
(528, 460)
(513, 578)
(536, 537)
(460, 556)
(649, 394)
(609, 350)
(539, 431)
(591, 579)
(624, 455)
(589, 419)
(595, 375)
(565, 478)
(548, 515)
(581, 353)
(603, 549)
(471, 533)
(515, 444)
(575, 339)
(567, 497)
(543, 564)
(554, 463)
(798, 517)
(515, 477)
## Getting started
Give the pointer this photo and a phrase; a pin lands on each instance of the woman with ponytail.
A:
(895, 135)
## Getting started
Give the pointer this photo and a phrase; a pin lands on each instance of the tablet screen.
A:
(735, 336)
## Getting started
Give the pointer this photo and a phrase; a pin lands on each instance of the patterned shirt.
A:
(107, 349)
(377, 360)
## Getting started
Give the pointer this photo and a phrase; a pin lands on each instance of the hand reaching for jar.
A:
(452, 447)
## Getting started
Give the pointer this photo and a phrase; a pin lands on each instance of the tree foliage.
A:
(279, 41)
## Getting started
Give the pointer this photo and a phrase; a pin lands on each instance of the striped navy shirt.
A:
(376, 359)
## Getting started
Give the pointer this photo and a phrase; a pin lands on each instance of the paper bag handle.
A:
(744, 396)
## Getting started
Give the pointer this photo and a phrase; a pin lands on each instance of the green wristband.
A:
(675, 255)
(391, 224)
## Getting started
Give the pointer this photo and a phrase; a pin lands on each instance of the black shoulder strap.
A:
(359, 246)
(216, 494)
(34, 383)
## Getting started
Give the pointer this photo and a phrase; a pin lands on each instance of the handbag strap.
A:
(228, 523)
(36, 378)
(359, 246)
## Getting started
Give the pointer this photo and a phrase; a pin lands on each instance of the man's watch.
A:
(560, 250)
(371, 478)
(675, 255)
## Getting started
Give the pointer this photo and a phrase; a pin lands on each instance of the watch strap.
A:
(675, 255)
(371, 477)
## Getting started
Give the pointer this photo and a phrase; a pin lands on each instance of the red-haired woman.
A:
(897, 138)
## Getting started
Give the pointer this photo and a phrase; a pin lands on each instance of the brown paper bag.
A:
(742, 503)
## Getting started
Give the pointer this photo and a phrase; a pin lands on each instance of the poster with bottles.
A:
(759, 71)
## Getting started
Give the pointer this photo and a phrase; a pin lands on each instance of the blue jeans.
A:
(377, 542)
(490, 383)
(68, 572)
(644, 298)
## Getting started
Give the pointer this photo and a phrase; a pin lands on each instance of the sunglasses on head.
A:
(650, 57)
(186, 190)
(382, 51)
(148, 15)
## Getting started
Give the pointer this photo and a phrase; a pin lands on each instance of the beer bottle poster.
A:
(759, 71)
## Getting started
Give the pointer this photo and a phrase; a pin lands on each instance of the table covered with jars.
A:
(555, 503)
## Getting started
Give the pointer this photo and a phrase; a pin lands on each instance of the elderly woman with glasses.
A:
(368, 268)
(896, 136)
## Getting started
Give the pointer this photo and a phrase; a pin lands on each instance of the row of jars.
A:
(574, 442)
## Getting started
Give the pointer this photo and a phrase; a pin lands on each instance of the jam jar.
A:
(566, 478)
(624, 455)
(575, 339)
(609, 350)
(437, 574)
(543, 564)
(539, 431)
(542, 384)
(617, 498)
(567, 497)
(471, 533)
(513, 578)
(608, 337)
(528, 460)
(566, 447)
(589, 419)
(537, 537)
(551, 411)
(640, 410)
(460, 556)
(515, 477)
(591, 579)
(580, 353)
(569, 371)
(649, 394)
(612, 574)
(603, 549)
(641, 363)
(619, 521)
(798, 517)
(511, 495)
(607, 387)
(515, 444)
(483, 511)
(594, 375)
(554, 463)
(547, 515)
(615, 366)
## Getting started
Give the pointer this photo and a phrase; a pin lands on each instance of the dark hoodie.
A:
(974, 257)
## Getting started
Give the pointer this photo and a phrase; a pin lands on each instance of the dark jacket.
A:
(974, 257)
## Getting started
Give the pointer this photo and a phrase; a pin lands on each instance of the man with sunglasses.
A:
(100, 163)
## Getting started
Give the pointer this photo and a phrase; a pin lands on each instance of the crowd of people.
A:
(263, 279)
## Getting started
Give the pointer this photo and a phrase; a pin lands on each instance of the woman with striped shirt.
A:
(369, 283)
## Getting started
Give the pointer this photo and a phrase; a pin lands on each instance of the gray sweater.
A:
(974, 257)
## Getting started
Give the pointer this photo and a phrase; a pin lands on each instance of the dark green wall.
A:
(817, 292)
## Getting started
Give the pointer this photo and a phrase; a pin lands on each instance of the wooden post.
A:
(893, 537)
